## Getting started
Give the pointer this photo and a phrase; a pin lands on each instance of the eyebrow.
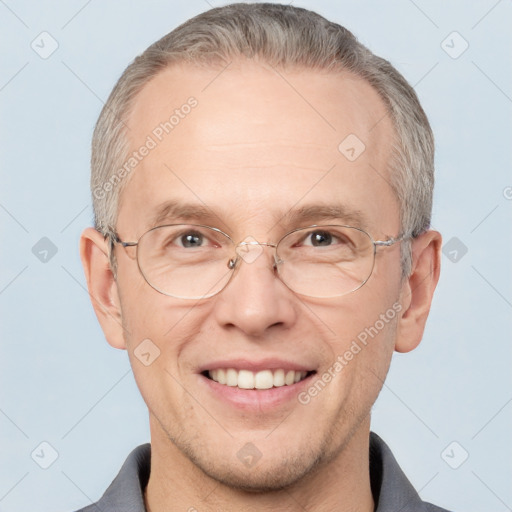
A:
(323, 212)
(174, 210)
(180, 211)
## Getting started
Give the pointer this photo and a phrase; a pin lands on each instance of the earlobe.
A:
(418, 290)
(102, 285)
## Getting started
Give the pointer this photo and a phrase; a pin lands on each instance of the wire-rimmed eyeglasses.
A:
(193, 261)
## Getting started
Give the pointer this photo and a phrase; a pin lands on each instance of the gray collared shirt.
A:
(392, 492)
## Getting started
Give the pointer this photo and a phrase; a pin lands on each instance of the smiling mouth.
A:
(264, 379)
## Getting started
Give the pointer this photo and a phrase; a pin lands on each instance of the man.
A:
(262, 187)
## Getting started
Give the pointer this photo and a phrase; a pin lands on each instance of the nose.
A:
(256, 300)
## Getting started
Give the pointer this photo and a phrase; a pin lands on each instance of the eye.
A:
(182, 239)
(321, 238)
(191, 239)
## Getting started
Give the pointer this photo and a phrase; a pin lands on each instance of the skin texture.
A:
(259, 144)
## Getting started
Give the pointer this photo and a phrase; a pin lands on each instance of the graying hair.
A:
(284, 37)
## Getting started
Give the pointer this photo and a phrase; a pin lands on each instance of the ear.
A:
(418, 290)
(102, 286)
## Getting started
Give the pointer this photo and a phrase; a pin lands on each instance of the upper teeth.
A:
(265, 379)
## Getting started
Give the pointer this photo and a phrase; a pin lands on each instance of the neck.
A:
(342, 484)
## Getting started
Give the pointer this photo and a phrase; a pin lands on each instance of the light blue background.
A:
(60, 381)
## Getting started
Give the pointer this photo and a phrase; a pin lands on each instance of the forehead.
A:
(253, 141)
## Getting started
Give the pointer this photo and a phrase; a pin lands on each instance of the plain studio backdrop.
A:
(69, 408)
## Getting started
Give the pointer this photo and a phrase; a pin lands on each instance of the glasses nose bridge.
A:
(255, 242)
(250, 249)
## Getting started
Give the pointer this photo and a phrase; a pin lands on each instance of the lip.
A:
(256, 366)
(255, 400)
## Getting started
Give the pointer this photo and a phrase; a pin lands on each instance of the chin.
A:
(265, 477)
(281, 471)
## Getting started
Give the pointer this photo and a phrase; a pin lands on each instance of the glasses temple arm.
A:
(391, 241)
(114, 239)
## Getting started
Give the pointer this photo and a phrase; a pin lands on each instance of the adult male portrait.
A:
(262, 188)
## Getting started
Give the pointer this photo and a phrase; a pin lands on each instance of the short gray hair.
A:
(283, 36)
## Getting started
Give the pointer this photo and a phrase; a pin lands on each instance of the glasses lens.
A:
(185, 261)
(325, 261)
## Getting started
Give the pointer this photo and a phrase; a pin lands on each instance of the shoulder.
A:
(126, 492)
(90, 508)
(433, 508)
(391, 489)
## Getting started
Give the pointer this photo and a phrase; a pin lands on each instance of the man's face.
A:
(259, 146)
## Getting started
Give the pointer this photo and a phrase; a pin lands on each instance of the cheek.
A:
(159, 334)
(145, 311)
(360, 351)
(155, 323)
(356, 373)
(170, 326)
